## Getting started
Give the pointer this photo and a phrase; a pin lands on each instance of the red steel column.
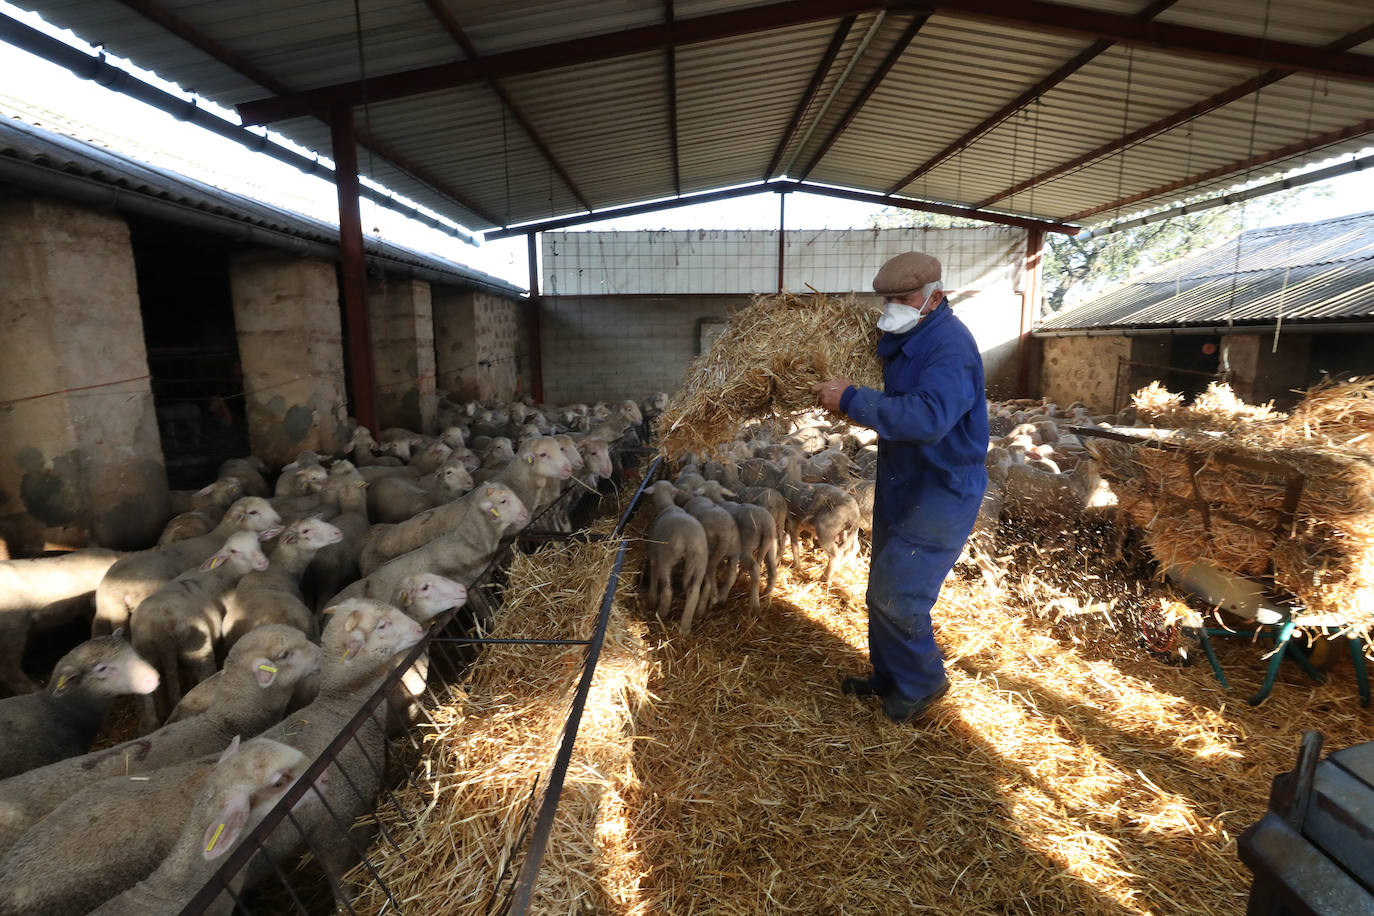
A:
(353, 270)
(1030, 304)
(536, 348)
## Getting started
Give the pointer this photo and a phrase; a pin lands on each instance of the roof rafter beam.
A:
(1127, 29)
(1292, 149)
(817, 79)
(1168, 122)
(782, 186)
(672, 103)
(889, 61)
(158, 14)
(1070, 67)
(557, 55)
(455, 31)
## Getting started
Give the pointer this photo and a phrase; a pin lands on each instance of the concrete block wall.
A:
(1263, 374)
(1083, 369)
(615, 347)
(80, 456)
(402, 319)
(286, 312)
(455, 342)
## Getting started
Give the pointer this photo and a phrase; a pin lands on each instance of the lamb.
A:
(248, 472)
(218, 495)
(358, 646)
(395, 499)
(297, 477)
(189, 525)
(41, 728)
(247, 781)
(431, 457)
(179, 624)
(722, 542)
(534, 474)
(345, 494)
(827, 513)
(42, 593)
(461, 554)
(274, 595)
(248, 695)
(133, 578)
(1032, 491)
(386, 542)
(361, 451)
(421, 597)
(675, 537)
(758, 541)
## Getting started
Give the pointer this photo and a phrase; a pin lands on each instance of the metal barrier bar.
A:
(543, 825)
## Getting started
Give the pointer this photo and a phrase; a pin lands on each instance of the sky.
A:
(51, 97)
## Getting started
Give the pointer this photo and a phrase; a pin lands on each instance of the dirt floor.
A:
(1067, 771)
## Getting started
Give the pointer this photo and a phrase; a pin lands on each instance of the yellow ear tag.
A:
(529, 459)
(215, 562)
(268, 668)
(405, 597)
(61, 682)
(348, 653)
(215, 839)
(494, 513)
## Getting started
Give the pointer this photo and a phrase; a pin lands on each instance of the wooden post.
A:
(354, 272)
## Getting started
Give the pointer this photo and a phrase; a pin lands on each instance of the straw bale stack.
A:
(488, 759)
(763, 365)
(1326, 557)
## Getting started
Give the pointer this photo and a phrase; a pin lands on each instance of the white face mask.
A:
(898, 318)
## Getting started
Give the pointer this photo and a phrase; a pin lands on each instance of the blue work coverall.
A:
(932, 424)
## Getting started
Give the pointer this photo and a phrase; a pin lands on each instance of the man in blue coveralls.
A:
(932, 424)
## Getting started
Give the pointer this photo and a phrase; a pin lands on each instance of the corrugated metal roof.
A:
(1305, 272)
(607, 124)
(24, 143)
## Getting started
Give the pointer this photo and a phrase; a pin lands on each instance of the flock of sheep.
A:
(247, 660)
(256, 628)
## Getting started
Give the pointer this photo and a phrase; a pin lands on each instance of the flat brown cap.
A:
(906, 273)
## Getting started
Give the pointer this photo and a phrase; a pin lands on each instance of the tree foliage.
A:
(1075, 269)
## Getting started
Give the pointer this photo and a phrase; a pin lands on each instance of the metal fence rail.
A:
(438, 662)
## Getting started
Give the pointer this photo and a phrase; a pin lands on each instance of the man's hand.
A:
(830, 391)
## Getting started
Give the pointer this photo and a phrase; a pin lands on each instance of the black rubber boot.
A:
(859, 687)
(905, 711)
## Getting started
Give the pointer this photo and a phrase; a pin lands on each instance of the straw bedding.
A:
(1067, 772)
(1326, 557)
(763, 365)
(491, 749)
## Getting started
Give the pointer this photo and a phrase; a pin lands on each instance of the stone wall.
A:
(80, 456)
(402, 323)
(286, 313)
(1083, 369)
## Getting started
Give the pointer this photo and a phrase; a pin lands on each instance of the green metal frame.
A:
(1282, 634)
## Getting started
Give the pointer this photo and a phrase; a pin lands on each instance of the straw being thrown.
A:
(764, 363)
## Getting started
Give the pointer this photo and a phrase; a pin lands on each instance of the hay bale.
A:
(763, 365)
(1326, 557)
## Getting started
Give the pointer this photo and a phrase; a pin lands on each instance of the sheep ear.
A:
(231, 750)
(270, 533)
(354, 644)
(352, 622)
(65, 679)
(289, 537)
(403, 599)
(118, 633)
(214, 562)
(205, 491)
(221, 835)
(265, 672)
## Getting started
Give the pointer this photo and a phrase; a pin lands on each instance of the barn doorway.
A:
(193, 354)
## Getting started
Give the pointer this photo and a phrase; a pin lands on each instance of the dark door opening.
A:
(193, 354)
(1193, 362)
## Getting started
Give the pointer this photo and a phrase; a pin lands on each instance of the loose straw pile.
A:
(763, 366)
(1326, 556)
(487, 760)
